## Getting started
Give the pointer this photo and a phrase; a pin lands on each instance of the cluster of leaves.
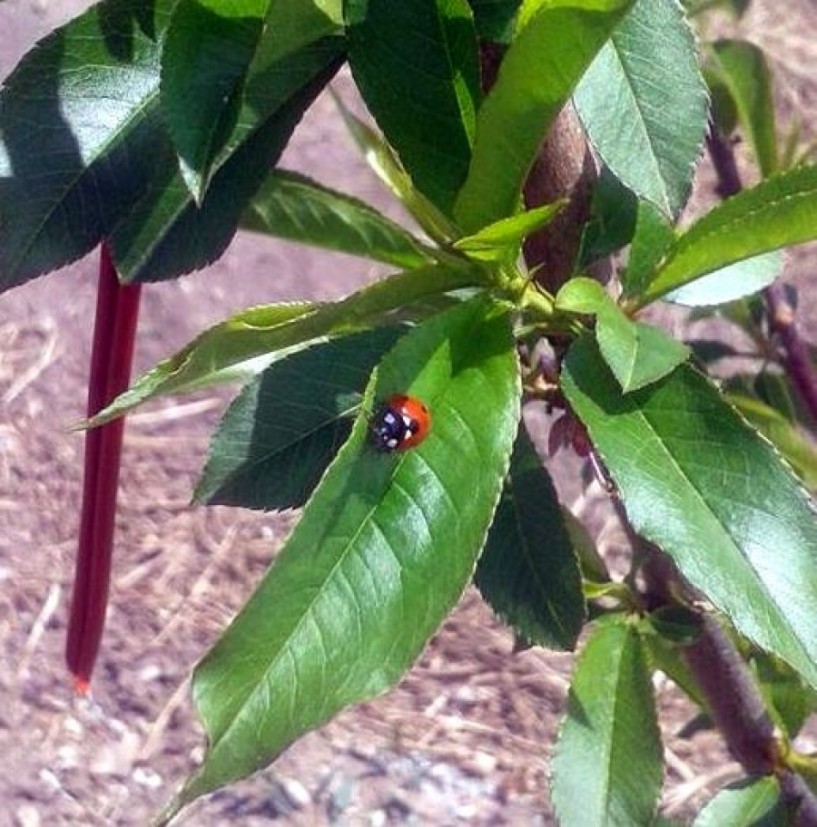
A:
(154, 125)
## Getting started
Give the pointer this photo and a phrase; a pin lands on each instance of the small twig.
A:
(733, 699)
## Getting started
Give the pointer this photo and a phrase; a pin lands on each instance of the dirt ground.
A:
(465, 738)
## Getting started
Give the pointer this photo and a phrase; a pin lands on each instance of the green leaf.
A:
(80, 135)
(778, 212)
(637, 353)
(167, 233)
(607, 765)
(797, 449)
(612, 222)
(583, 295)
(537, 76)
(698, 482)
(250, 341)
(528, 572)
(751, 802)
(278, 436)
(743, 69)
(291, 206)
(653, 238)
(383, 551)
(644, 104)
(724, 114)
(208, 48)
(743, 278)
(502, 240)
(386, 165)
(789, 699)
(416, 64)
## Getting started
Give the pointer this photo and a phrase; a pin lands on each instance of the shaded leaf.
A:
(537, 76)
(528, 572)
(653, 238)
(709, 351)
(207, 50)
(80, 135)
(643, 103)
(166, 233)
(698, 482)
(384, 549)
(292, 206)
(494, 19)
(789, 699)
(612, 222)
(416, 65)
(667, 656)
(607, 764)
(280, 433)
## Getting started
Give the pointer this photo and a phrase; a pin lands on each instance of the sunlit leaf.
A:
(778, 212)
(537, 76)
(637, 353)
(250, 341)
(607, 764)
(698, 482)
(746, 803)
(643, 103)
(416, 64)
(383, 550)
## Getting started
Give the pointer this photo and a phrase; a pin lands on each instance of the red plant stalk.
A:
(117, 314)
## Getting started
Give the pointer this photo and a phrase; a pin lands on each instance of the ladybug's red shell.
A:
(400, 423)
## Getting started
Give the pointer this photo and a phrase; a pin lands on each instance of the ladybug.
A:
(400, 423)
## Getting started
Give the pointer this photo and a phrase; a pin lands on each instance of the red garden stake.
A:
(117, 314)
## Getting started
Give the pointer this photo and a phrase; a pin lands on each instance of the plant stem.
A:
(564, 169)
(117, 314)
(795, 351)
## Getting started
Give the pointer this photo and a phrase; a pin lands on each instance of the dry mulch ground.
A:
(464, 739)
